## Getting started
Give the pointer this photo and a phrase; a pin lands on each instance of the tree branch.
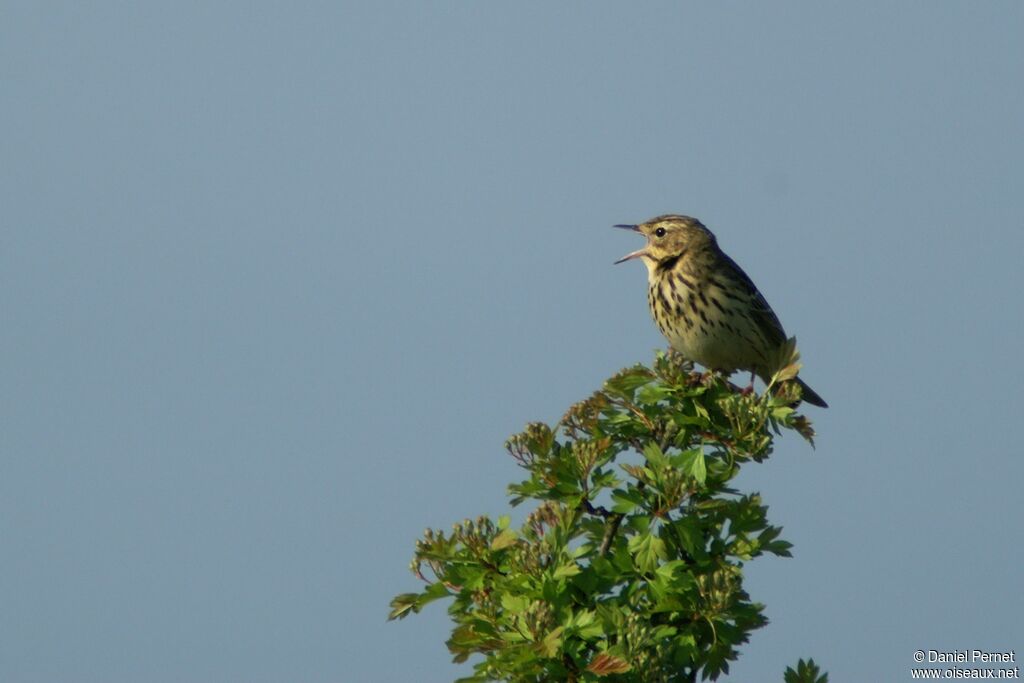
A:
(612, 527)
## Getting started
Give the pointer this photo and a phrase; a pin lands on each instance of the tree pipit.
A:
(705, 305)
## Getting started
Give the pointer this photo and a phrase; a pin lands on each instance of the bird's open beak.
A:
(636, 254)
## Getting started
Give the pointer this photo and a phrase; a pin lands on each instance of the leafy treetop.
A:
(630, 565)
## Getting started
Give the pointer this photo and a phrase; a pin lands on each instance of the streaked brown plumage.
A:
(704, 304)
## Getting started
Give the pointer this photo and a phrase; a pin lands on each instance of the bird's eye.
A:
(660, 232)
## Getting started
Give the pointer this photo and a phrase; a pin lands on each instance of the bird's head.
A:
(669, 238)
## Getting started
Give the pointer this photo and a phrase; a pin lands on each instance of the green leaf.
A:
(504, 539)
(513, 636)
(408, 603)
(551, 643)
(580, 551)
(780, 548)
(672, 570)
(585, 624)
(806, 672)
(601, 479)
(654, 455)
(583, 618)
(689, 532)
(626, 501)
(782, 412)
(653, 394)
(403, 605)
(692, 463)
(647, 549)
(626, 382)
(591, 631)
(463, 642)
(699, 420)
(566, 570)
(514, 603)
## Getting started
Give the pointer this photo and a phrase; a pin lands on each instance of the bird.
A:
(707, 308)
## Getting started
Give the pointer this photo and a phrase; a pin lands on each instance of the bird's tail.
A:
(810, 395)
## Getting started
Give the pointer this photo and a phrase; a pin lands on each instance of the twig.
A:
(609, 534)
(612, 527)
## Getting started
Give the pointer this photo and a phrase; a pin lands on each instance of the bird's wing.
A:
(762, 313)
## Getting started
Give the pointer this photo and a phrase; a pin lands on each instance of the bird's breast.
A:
(701, 323)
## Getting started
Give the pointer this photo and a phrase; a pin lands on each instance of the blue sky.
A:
(277, 282)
